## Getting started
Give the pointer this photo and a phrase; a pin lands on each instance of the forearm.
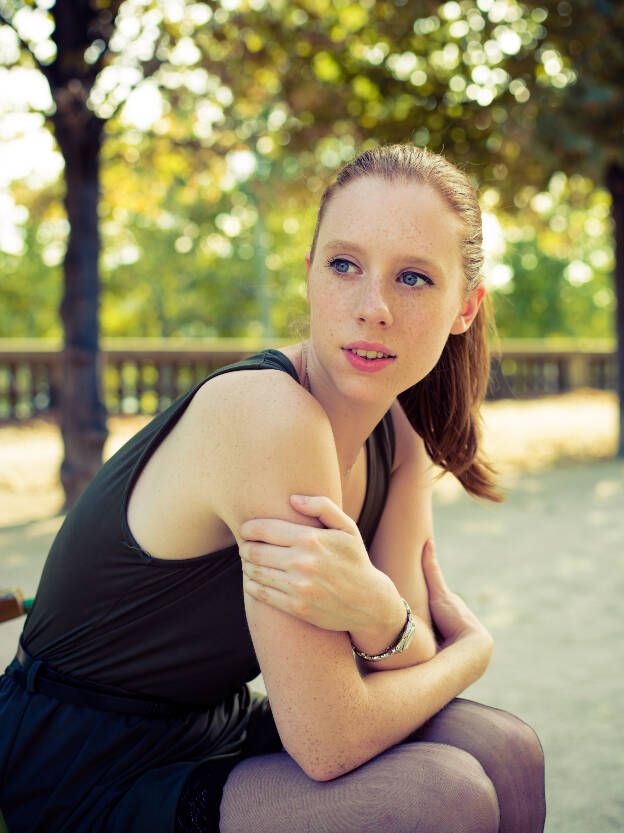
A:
(394, 704)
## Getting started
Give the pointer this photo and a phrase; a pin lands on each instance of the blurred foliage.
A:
(576, 83)
(225, 120)
(555, 276)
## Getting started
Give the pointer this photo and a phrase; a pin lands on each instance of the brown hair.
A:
(444, 406)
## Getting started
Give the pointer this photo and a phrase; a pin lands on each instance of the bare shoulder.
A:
(272, 392)
(252, 409)
(261, 437)
(409, 445)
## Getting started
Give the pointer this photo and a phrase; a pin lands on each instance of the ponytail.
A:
(443, 408)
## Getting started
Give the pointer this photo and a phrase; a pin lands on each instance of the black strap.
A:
(35, 676)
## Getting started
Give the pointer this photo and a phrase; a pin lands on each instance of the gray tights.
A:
(470, 769)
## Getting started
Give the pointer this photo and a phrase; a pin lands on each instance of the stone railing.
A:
(527, 368)
(146, 375)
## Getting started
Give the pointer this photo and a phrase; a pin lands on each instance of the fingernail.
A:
(300, 498)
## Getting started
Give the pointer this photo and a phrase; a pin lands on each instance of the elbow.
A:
(319, 771)
(326, 764)
(329, 742)
(316, 774)
(317, 766)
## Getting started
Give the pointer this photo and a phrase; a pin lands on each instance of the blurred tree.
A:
(69, 43)
(572, 116)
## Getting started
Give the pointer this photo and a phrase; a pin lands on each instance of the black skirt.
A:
(79, 769)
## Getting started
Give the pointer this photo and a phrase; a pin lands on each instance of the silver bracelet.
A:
(401, 643)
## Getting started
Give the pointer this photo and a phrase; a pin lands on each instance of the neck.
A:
(352, 423)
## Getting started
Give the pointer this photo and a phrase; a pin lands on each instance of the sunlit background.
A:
(223, 121)
(194, 242)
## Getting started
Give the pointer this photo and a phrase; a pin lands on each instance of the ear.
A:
(468, 311)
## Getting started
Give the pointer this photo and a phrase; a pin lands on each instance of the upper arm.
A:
(270, 440)
(407, 520)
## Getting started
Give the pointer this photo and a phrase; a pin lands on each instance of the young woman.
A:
(284, 518)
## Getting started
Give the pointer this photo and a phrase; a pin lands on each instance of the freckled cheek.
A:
(427, 334)
(327, 305)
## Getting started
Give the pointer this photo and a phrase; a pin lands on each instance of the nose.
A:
(372, 307)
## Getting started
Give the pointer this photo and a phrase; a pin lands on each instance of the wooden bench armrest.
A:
(13, 604)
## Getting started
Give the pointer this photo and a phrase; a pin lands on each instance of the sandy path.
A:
(544, 571)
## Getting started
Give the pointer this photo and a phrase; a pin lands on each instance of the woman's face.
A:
(386, 278)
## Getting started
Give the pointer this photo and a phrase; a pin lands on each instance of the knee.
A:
(498, 738)
(469, 803)
(523, 744)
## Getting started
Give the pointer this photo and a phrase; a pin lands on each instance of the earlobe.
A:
(468, 311)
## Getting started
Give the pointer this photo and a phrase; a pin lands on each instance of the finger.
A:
(265, 555)
(272, 531)
(268, 595)
(328, 513)
(436, 585)
(267, 577)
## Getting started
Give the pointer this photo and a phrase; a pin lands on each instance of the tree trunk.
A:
(83, 416)
(615, 183)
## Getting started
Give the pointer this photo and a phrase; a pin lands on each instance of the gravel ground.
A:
(544, 571)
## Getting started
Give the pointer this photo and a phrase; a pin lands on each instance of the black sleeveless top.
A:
(109, 612)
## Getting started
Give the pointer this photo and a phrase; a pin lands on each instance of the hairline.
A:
(404, 177)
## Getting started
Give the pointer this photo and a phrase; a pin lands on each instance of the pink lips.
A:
(367, 365)
(368, 345)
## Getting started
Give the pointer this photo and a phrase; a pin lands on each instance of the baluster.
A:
(33, 387)
(151, 381)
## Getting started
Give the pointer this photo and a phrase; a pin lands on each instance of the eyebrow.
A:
(346, 244)
(343, 244)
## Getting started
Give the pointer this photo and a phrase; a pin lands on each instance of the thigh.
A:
(411, 788)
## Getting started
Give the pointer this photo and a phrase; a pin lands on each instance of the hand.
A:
(321, 575)
(450, 613)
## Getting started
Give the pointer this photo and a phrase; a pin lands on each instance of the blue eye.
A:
(415, 279)
(340, 265)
